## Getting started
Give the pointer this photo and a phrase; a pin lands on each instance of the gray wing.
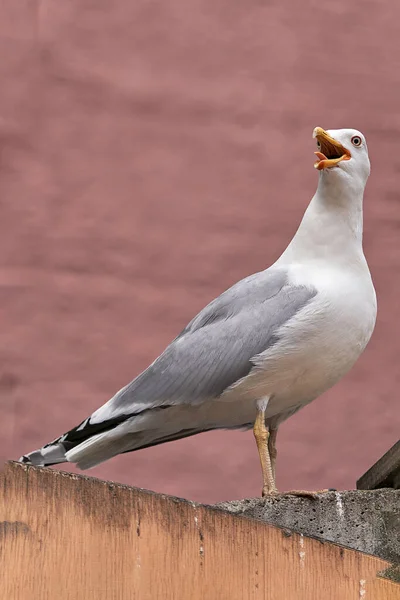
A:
(215, 349)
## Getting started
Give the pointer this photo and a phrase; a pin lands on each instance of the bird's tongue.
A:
(326, 163)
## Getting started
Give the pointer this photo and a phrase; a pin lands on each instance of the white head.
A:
(342, 156)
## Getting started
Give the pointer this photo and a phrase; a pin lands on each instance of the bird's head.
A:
(342, 153)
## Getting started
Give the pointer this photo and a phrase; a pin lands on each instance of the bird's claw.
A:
(269, 493)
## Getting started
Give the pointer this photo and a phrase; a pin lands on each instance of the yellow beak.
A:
(331, 152)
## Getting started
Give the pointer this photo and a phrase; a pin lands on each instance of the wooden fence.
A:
(70, 537)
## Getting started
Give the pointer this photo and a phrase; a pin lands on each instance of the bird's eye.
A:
(356, 140)
(318, 145)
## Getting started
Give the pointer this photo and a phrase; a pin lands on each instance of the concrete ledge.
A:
(368, 521)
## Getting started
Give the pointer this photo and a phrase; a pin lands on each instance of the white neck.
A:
(332, 225)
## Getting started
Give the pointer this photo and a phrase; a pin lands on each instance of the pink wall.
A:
(151, 154)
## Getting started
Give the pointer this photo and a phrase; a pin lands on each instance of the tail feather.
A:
(89, 444)
(55, 452)
(98, 449)
(104, 446)
(52, 454)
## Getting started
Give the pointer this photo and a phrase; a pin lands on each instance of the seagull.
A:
(263, 349)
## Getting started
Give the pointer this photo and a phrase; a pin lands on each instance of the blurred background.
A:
(153, 153)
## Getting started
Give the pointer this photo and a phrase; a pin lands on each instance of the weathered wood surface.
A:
(69, 537)
(385, 473)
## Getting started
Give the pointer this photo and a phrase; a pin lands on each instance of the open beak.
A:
(331, 152)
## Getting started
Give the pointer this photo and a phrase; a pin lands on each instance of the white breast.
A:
(345, 307)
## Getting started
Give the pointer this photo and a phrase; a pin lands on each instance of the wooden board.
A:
(385, 473)
(68, 537)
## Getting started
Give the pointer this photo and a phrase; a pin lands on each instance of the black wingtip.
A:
(25, 460)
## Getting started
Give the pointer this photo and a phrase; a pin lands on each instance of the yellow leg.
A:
(272, 450)
(262, 435)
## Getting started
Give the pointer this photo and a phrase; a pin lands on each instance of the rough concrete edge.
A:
(392, 572)
(251, 506)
